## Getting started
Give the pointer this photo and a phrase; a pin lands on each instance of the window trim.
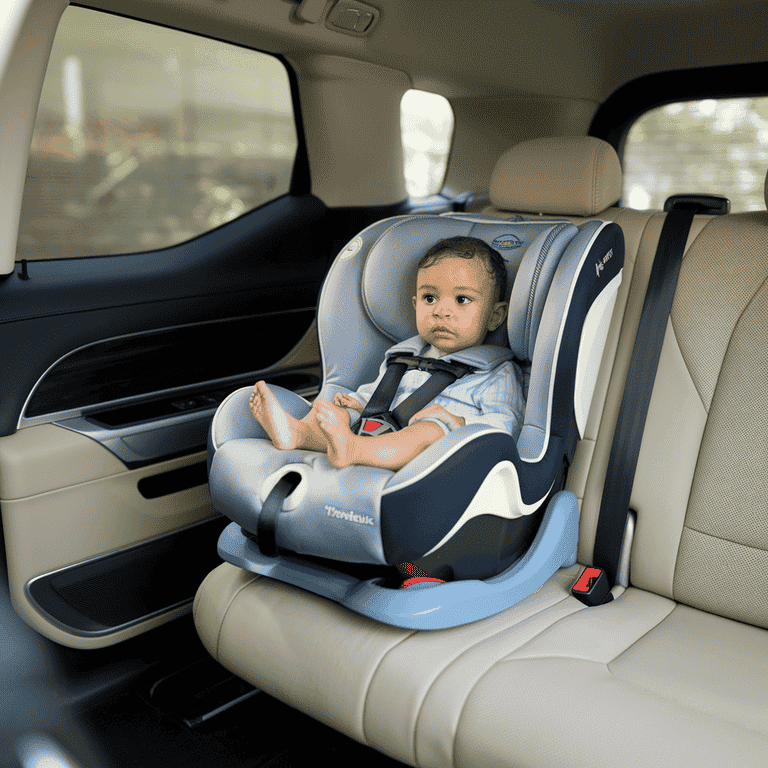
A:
(628, 103)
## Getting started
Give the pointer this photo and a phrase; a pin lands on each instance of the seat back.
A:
(701, 479)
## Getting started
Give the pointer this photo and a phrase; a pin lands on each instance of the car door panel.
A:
(80, 524)
(114, 367)
(264, 265)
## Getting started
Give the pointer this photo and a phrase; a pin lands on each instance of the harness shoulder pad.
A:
(414, 345)
(486, 357)
(483, 358)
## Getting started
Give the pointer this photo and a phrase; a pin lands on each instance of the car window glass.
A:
(426, 120)
(146, 137)
(712, 146)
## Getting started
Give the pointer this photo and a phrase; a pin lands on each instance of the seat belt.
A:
(376, 417)
(590, 588)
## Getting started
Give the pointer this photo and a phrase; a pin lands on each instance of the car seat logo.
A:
(349, 516)
(507, 242)
(600, 266)
(351, 249)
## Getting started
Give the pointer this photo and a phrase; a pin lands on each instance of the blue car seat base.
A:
(427, 605)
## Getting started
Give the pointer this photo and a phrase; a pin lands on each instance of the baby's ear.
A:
(413, 299)
(499, 315)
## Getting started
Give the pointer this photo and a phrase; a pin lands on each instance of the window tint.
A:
(712, 146)
(426, 120)
(146, 137)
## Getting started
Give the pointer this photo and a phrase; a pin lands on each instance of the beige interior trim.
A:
(27, 29)
(351, 115)
(45, 458)
(88, 509)
(486, 126)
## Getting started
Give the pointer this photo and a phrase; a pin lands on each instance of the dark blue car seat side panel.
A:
(605, 263)
(450, 486)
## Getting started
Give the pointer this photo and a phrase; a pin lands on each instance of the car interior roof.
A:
(578, 49)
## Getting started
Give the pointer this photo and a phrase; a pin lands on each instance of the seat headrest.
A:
(531, 251)
(568, 176)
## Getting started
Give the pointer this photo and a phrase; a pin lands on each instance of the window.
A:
(146, 137)
(426, 120)
(713, 147)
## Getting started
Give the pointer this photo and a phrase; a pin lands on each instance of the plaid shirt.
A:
(492, 397)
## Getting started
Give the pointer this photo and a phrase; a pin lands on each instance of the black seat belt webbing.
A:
(424, 395)
(266, 531)
(382, 396)
(641, 375)
(442, 375)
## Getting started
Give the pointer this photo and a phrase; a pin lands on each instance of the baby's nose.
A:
(442, 308)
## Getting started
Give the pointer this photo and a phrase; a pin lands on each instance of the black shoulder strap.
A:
(637, 391)
(442, 375)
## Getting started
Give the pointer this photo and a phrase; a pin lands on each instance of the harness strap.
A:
(427, 392)
(266, 531)
(383, 395)
(442, 375)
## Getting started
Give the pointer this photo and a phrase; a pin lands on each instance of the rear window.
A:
(714, 146)
(426, 122)
(146, 137)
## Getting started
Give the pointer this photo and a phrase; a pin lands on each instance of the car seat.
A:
(476, 509)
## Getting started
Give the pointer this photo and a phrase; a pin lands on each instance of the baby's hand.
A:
(347, 401)
(438, 410)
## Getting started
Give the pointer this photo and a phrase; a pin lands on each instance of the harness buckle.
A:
(373, 426)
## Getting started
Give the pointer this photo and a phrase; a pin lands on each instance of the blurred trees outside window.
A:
(712, 146)
(426, 121)
(146, 137)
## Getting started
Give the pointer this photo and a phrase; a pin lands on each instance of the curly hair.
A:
(469, 248)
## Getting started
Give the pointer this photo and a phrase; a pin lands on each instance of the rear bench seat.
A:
(674, 671)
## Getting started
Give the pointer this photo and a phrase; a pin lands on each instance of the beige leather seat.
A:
(674, 671)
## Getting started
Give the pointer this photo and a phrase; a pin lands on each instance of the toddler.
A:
(459, 287)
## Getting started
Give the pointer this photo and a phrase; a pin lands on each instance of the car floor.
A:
(135, 730)
(157, 700)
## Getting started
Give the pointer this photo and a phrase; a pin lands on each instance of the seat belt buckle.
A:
(592, 587)
(373, 426)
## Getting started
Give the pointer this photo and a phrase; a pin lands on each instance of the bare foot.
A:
(283, 429)
(334, 424)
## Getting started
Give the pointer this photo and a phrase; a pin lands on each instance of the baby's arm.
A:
(501, 403)
(439, 413)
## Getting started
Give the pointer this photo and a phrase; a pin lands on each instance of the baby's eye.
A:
(429, 298)
(463, 299)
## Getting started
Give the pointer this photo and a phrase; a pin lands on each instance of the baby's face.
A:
(454, 304)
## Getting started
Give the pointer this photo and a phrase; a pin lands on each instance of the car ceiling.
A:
(582, 49)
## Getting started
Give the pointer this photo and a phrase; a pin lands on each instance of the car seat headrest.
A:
(531, 253)
(564, 176)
